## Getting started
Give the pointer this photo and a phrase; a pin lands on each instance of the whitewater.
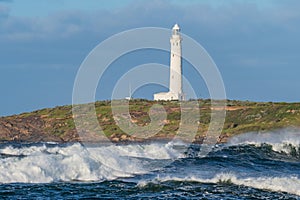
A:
(251, 165)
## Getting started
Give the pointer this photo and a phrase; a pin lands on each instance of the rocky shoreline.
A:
(33, 129)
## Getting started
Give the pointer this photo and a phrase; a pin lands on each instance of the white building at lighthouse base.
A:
(167, 96)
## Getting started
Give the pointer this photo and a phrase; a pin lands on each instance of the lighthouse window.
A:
(177, 43)
(173, 54)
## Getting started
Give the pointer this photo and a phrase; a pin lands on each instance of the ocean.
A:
(248, 166)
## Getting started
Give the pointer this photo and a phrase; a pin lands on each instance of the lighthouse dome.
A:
(176, 27)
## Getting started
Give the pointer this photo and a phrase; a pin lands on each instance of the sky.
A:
(254, 43)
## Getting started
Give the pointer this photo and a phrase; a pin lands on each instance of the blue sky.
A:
(255, 44)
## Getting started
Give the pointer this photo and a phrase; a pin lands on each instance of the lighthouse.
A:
(175, 86)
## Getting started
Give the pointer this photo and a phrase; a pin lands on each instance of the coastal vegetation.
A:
(57, 124)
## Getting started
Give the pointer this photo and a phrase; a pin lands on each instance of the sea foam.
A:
(75, 162)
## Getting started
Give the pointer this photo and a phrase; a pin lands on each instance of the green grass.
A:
(243, 116)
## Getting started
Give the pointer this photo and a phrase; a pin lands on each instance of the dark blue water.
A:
(250, 166)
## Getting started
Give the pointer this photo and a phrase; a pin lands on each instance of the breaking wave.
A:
(278, 184)
(44, 163)
(283, 141)
(267, 161)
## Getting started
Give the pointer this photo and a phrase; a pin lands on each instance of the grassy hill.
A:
(56, 124)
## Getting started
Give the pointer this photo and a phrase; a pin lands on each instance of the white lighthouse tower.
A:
(175, 87)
